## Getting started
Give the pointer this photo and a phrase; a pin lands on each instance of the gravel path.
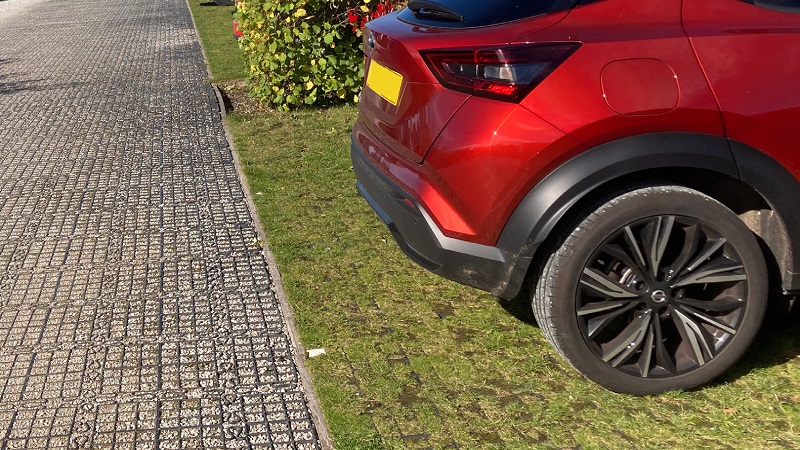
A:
(137, 309)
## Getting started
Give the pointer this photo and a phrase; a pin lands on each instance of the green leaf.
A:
(319, 48)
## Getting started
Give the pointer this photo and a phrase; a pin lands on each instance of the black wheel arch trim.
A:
(537, 215)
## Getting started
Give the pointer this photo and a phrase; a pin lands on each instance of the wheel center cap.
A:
(659, 296)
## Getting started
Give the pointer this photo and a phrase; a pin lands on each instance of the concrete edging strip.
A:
(299, 352)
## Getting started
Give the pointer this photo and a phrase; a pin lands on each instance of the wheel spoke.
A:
(630, 239)
(690, 243)
(597, 324)
(645, 361)
(719, 270)
(629, 340)
(597, 307)
(709, 320)
(709, 249)
(693, 336)
(663, 358)
(605, 286)
(720, 305)
(655, 237)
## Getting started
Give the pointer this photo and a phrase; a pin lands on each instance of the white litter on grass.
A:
(313, 353)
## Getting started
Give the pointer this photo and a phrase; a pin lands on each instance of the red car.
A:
(635, 161)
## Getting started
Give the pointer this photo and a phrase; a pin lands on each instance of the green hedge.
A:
(305, 52)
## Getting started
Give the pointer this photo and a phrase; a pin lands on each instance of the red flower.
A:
(358, 19)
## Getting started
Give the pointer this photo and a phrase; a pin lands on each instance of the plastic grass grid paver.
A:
(136, 305)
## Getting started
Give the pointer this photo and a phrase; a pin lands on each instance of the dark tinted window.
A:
(488, 12)
(780, 5)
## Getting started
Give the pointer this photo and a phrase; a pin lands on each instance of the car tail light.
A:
(506, 73)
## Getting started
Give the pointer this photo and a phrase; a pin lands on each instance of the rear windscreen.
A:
(478, 13)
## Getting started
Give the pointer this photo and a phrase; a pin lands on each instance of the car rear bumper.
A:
(484, 267)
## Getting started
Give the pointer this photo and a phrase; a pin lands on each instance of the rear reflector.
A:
(506, 73)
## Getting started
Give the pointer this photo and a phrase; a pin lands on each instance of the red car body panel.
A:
(644, 67)
(477, 211)
(654, 32)
(741, 48)
(425, 106)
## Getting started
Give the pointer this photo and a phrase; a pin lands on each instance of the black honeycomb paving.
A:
(136, 306)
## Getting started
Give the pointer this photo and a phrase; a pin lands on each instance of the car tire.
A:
(659, 288)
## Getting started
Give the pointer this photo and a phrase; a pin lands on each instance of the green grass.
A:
(214, 24)
(415, 361)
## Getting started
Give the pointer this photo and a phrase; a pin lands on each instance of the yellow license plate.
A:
(385, 82)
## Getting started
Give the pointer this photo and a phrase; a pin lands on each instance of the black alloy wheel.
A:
(660, 288)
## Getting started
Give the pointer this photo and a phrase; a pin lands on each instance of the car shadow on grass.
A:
(520, 307)
(776, 343)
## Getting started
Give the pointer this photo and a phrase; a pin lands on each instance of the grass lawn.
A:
(215, 26)
(415, 361)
